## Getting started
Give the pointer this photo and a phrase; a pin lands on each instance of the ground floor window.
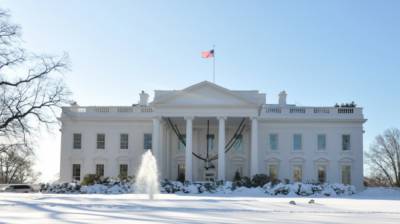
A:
(297, 173)
(238, 172)
(346, 174)
(123, 171)
(273, 171)
(321, 172)
(76, 172)
(147, 141)
(100, 170)
(181, 172)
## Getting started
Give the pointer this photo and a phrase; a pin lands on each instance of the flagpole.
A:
(214, 64)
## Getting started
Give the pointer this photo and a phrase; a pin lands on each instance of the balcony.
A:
(274, 111)
(108, 111)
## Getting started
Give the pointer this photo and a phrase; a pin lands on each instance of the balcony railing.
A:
(111, 109)
(295, 111)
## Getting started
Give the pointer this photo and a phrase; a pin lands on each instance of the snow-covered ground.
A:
(375, 205)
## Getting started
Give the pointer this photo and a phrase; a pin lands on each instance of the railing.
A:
(274, 110)
(346, 110)
(111, 109)
(297, 110)
(321, 110)
(290, 110)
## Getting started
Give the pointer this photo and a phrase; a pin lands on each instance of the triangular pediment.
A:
(202, 94)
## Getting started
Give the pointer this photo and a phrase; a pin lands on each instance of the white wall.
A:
(111, 156)
(333, 156)
(309, 156)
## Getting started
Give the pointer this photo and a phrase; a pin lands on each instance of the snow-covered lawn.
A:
(370, 206)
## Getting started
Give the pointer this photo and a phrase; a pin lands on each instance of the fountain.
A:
(147, 176)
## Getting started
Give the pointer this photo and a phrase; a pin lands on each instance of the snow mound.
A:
(269, 189)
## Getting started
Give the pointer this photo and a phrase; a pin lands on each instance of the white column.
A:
(188, 152)
(161, 149)
(221, 148)
(254, 147)
(156, 138)
(168, 157)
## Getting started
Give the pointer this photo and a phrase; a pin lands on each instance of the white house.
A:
(225, 131)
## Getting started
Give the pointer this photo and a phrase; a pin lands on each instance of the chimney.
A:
(74, 104)
(144, 97)
(282, 98)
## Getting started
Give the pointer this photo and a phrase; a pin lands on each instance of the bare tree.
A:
(31, 87)
(31, 92)
(16, 166)
(384, 157)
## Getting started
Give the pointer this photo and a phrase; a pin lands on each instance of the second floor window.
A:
(77, 141)
(321, 139)
(238, 146)
(210, 142)
(147, 141)
(101, 141)
(181, 146)
(297, 142)
(345, 142)
(123, 141)
(273, 141)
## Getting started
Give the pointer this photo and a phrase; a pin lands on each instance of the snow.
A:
(118, 187)
(374, 205)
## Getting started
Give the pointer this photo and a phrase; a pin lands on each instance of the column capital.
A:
(254, 118)
(222, 118)
(157, 118)
(189, 118)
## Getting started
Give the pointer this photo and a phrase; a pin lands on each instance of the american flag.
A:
(207, 54)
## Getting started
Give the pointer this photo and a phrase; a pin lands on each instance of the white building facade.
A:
(208, 132)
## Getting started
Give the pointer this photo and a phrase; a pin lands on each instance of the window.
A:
(345, 142)
(297, 142)
(76, 172)
(297, 173)
(181, 146)
(123, 171)
(100, 170)
(321, 142)
(77, 141)
(321, 171)
(273, 171)
(101, 141)
(181, 171)
(238, 144)
(273, 141)
(346, 174)
(210, 142)
(123, 141)
(147, 142)
(239, 170)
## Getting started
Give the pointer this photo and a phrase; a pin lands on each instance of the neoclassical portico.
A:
(207, 101)
(158, 142)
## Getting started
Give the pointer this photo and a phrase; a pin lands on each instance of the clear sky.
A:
(320, 52)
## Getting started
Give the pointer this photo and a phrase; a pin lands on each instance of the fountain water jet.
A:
(147, 177)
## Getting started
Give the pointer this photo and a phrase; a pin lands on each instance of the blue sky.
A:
(320, 52)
